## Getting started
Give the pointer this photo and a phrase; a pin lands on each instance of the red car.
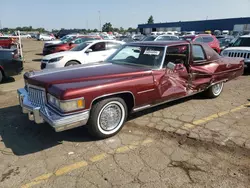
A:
(8, 42)
(67, 44)
(136, 77)
(211, 40)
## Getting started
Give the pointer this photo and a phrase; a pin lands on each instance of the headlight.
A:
(225, 53)
(55, 59)
(66, 106)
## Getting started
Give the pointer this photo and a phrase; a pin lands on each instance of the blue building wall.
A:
(203, 25)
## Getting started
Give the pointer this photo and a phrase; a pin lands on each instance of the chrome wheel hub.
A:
(217, 88)
(110, 117)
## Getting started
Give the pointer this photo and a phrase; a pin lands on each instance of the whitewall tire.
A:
(215, 90)
(107, 117)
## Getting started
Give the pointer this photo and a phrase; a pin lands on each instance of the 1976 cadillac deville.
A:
(137, 76)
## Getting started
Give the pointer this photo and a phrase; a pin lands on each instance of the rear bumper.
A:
(57, 121)
(14, 68)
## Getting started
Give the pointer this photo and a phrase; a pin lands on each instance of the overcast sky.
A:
(126, 13)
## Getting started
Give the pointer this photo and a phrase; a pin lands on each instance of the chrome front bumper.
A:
(56, 120)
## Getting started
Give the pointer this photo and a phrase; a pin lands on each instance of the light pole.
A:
(100, 21)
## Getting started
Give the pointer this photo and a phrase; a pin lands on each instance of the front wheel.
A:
(107, 117)
(215, 90)
(71, 63)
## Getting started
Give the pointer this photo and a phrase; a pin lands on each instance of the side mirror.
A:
(170, 66)
(89, 50)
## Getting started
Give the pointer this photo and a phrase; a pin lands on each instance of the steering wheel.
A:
(131, 58)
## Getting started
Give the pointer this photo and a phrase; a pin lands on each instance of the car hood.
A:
(237, 48)
(81, 76)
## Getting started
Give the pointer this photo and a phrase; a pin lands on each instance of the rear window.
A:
(4, 54)
(188, 38)
(207, 39)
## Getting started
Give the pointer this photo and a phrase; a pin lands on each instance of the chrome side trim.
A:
(36, 87)
(164, 102)
(142, 107)
(145, 91)
(110, 94)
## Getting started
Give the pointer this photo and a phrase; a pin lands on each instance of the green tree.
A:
(116, 30)
(150, 20)
(122, 30)
(95, 30)
(130, 29)
(107, 27)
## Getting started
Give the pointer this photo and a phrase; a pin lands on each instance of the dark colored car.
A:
(8, 42)
(209, 39)
(10, 63)
(225, 42)
(64, 32)
(67, 44)
(136, 77)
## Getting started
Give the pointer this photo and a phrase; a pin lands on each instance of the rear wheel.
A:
(215, 90)
(71, 63)
(42, 39)
(107, 117)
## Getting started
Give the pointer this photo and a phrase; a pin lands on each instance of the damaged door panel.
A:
(173, 78)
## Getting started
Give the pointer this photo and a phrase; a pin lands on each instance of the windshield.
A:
(224, 41)
(66, 40)
(187, 38)
(150, 38)
(242, 41)
(63, 38)
(143, 56)
(80, 47)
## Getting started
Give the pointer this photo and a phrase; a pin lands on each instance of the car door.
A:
(173, 78)
(202, 68)
(96, 52)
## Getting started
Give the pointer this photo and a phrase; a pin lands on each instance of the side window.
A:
(199, 39)
(207, 39)
(176, 55)
(198, 53)
(78, 41)
(174, 38)
(112, 45)
(100, 46)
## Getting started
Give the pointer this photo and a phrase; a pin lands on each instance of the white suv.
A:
(87, 52)
(240, 48)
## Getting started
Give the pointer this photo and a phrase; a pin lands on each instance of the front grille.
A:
(245, 55)
(37, 97)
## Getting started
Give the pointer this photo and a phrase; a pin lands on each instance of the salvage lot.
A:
(193, 142)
